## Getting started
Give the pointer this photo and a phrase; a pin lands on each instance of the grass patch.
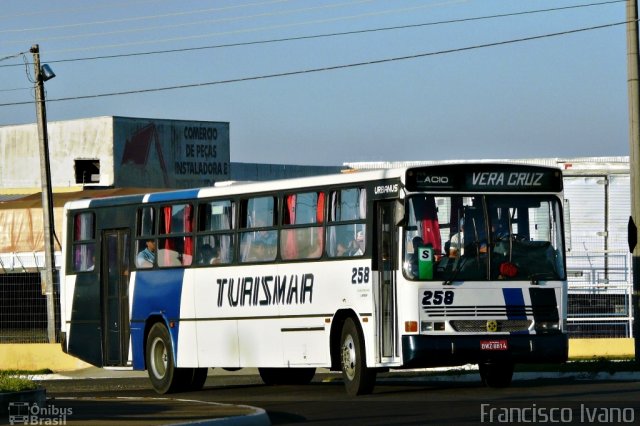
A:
(10, 382)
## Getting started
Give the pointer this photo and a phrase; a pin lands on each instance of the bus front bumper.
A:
(449, 350)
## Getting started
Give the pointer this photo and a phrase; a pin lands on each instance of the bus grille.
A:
(480, 326)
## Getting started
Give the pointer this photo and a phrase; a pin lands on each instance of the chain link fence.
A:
(23, 308)
(599, 300)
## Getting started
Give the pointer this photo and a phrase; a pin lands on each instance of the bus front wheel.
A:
(358, 379)
(164, 375)
(496, 375)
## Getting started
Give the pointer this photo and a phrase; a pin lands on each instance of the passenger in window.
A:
(147, 257)
(208, 255)
(92, 262)
(341, 249)
(214, 257)
(356, 247)
(258, 251)
(456, 243)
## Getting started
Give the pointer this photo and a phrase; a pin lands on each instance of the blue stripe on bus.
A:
(156, 292)
(174, 195)
(514, 301)
(117, 201)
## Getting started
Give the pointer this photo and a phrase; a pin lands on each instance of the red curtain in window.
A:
(291, 249)
(188, 240)
(168, 242)
(431, 234)
(320, 216)
(427, 216)
(320, 208)
(188, 227)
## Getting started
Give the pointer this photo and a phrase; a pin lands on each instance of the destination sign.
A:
(484, 178)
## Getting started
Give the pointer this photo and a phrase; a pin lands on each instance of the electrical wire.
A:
(325, 35)
(327, 68)
(143, 18)
(223, 33)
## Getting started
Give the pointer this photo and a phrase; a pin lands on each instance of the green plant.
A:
(11, 382)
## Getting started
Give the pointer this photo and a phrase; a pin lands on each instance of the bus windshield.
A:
(483, 237)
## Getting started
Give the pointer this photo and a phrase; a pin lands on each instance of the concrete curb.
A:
(227, 414)
(33, 396)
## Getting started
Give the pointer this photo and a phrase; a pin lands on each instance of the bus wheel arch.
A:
(159, 357)
(151, 321)
(160, 361)
(350, 352)
(335, 335)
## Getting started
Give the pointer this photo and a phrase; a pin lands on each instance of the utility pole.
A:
(47, 197)
(634, 162)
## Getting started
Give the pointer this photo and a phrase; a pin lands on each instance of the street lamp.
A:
(44, 73)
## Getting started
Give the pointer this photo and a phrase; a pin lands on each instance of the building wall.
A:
(68, 140)
(117, 152)
(170, 153)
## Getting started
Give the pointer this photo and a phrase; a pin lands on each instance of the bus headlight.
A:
(547, 326)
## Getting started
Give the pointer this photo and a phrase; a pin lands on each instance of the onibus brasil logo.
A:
(24, 413)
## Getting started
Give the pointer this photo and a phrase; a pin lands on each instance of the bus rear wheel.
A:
(286, 376)
(358, 378)
(161, 367)
(496, 375)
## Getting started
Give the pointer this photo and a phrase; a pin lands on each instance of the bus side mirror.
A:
(398, 213)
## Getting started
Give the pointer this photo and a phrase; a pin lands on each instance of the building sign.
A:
(170, 153)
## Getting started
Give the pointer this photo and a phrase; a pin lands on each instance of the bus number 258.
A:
(437, 297)
(360, 275)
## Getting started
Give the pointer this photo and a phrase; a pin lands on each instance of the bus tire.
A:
(269, 376)
(496, 375)
(197, 378)
(286, 376)
(161, 367)
(358, 378)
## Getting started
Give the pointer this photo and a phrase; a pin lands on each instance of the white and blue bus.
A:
(361, 272)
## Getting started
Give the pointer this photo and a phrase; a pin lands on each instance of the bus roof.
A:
(229, 188)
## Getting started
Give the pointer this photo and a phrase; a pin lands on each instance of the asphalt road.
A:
(397, 400)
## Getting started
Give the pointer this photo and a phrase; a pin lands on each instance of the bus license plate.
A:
(494, 345)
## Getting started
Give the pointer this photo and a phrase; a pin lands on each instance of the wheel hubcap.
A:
(349, 357)
(159, 358)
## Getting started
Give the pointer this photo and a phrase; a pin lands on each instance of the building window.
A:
(87, 171)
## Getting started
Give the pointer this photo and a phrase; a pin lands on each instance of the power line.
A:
(328, 68)
(207, 21)
(39, 11)
(326, 35)
(143, 18)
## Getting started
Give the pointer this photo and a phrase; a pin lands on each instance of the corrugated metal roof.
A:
(576, 165)
(12, 197)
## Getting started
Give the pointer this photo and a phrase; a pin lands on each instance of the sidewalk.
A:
(160, 410)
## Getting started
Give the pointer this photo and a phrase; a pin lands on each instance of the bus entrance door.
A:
(115, 296)
(385, 293)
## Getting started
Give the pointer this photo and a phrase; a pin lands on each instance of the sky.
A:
(327, 82)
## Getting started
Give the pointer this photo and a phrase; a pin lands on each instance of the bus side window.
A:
(84, 245)
(347, 239)
(303, 217)
(215, 221)
(259, 242)
(146, 245)
(175, 248)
